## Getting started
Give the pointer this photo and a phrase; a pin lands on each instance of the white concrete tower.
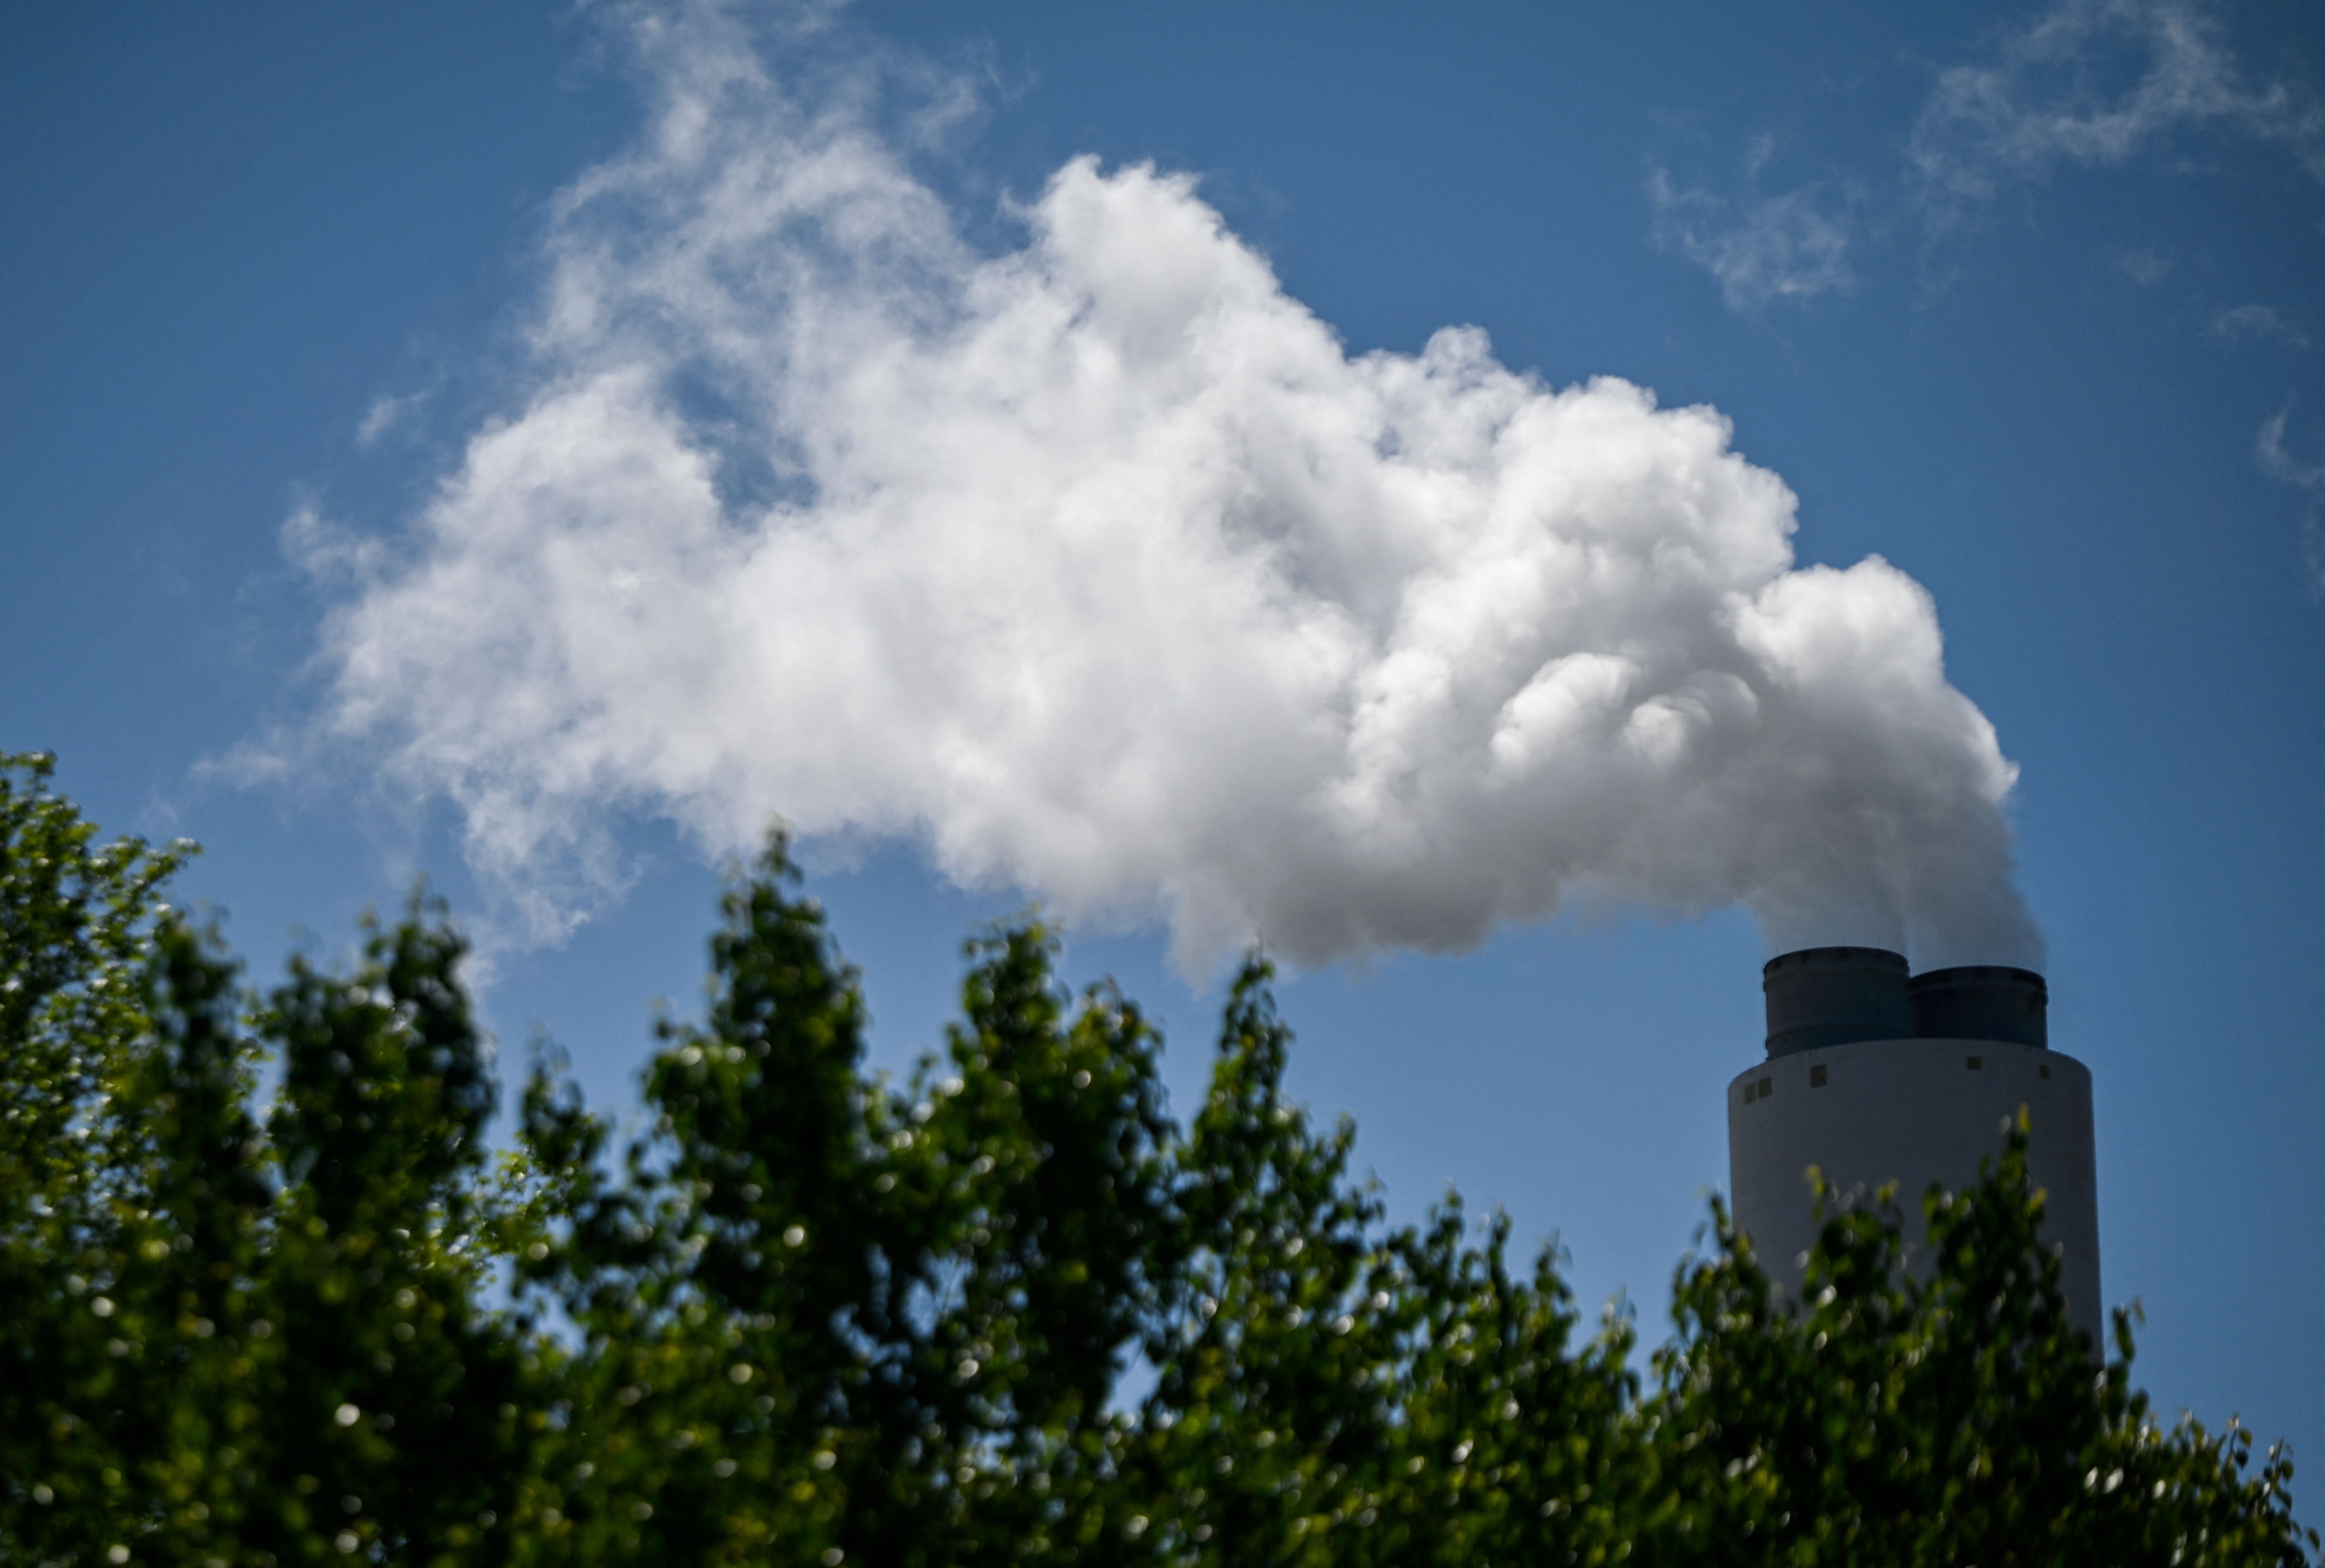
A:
(1874, 1078)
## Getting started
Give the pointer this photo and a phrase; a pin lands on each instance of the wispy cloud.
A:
(1762, 249)
(2086, 83)
(2094, 82)
(386, 414)
(327, 552)
(2251, 323)
(2278, 463)
(2145, 268)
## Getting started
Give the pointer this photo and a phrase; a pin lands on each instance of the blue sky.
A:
(2022, 300)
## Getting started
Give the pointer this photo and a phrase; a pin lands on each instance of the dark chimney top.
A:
(1838, 996)
(1835, 996)
(1982, 1002)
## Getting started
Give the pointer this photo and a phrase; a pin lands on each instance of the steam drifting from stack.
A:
(1099, 566)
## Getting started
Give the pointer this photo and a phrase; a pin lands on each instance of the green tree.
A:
(271, 1299)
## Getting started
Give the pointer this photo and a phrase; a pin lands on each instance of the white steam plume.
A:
(1099, 566)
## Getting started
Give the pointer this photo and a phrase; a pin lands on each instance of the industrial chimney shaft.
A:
(1875, 1076)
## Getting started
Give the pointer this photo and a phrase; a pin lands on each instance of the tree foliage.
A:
(271, 1298)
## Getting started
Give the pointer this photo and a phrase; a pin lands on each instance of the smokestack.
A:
(1874, 1076)
(1981, 1001)
(1835, 996)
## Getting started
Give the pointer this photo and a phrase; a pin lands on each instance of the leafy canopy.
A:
(271, 1298)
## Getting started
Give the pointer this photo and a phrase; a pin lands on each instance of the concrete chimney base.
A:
(1912, 1111)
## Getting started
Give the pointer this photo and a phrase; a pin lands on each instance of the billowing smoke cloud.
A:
(1100, 567)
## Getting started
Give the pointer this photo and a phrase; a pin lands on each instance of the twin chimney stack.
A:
(1874, 1074)
(1838, 996)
